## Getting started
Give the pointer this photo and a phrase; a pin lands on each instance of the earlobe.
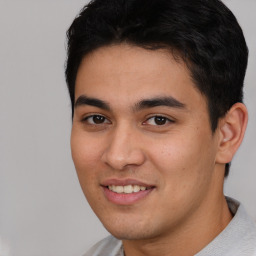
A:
(231, 129)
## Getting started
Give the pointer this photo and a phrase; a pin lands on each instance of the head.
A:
(203, 34)
(156, 92)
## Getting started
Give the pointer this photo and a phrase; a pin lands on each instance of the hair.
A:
(203, 33)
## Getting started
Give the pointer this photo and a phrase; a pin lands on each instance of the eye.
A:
(96, 120)
(158, 120)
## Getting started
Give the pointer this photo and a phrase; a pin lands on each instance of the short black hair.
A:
(204, 33)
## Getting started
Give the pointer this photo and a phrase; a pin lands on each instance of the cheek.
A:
(184, 159)
(85, 150)
(173, 154)
(86, 155)
(183, 165)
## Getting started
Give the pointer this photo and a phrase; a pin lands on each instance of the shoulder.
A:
(108, 246)
(238, 238)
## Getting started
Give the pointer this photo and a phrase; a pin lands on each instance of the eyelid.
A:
(91, 115)
(169, 120)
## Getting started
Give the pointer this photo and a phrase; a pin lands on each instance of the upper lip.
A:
(125, 182)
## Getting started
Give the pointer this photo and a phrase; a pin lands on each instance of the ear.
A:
(231, 130)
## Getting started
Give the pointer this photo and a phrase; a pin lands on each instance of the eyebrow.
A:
(159, 101)
(143, 104)
(84, 100)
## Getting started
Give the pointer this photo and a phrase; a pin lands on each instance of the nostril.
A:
(123, 149)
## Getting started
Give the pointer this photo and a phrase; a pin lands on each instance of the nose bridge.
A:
(124, 148)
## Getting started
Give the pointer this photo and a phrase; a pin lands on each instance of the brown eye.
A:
(96, 119)
(158, 121)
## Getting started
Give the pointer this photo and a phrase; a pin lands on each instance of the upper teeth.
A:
(126, 189)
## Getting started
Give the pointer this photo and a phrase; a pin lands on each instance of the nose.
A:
(124, 149)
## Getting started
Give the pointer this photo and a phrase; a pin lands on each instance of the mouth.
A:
(128, 189)
(126, 192)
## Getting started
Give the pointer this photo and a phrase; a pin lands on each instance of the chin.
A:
(129, 231)
(129, 235)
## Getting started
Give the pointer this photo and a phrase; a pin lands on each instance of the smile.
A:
(126, 192)
(128, 189)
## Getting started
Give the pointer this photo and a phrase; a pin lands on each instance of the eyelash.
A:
(103, 120)
(161, 118)
(87, 118)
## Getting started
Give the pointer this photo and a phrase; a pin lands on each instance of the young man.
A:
(156, 92)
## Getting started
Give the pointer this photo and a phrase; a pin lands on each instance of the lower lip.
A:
(126, 199)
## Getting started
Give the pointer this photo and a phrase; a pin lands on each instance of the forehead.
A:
(122, 73)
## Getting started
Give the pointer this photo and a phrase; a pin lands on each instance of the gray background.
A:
(42, 209)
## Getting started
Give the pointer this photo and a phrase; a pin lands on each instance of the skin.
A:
(181, 159)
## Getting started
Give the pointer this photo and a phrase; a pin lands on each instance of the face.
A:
(141, 142)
